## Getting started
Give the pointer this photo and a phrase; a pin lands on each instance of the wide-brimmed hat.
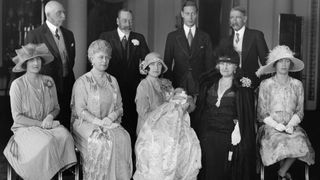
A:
(31, 51)
(277, 53)
(150, 58)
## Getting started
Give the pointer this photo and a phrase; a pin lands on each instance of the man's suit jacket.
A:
(254, 49)
(42, 34)
(188, 62)
(126, 69)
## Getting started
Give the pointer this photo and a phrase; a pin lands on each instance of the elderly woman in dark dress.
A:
(225, 109)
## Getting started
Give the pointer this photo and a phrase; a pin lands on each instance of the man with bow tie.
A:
(128, 50)
(60, 42)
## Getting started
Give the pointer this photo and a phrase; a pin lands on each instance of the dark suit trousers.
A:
(64, 98)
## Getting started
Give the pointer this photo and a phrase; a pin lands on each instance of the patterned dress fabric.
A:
(106, 152)
(281, 102)
(167, 148)
(33, 152)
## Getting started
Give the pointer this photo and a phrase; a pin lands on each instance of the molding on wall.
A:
(312, 65)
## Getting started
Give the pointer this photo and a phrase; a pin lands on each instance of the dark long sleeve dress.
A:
(216, 126)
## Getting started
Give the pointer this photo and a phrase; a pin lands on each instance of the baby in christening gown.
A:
(167, 148)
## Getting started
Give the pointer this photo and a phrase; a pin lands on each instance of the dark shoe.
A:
(286, 177)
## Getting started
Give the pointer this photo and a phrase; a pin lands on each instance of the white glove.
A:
(106, 121)
(97, 121)
(289, 130)
(55, 124)
(280, 127)
(235, 136)
(294, 121)
(111, 126)
(47, 122)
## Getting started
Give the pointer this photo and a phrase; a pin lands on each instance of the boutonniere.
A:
(48, 83)
(135, 42)
(246, 82)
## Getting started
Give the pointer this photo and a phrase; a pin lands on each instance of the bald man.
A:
(61, 44)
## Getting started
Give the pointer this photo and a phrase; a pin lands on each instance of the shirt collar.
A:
(186, 30)
(241, 31)
(52, 27)
(121, 34)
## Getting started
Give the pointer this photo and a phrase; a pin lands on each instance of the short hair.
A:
(124, 10)
(162, 69)
(24, 64)
(99, 45)
(51, 5)
(189, 3)
(291, 63)
(240, 9)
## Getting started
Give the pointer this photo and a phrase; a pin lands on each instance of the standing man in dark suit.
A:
(188, 53)
(60, 42)
(249, 43)
(128, 50)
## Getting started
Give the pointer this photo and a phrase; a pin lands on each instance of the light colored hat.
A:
(31, 51)
(150, 58)
(277, 53)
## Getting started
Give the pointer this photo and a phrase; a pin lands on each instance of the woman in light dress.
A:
(104, 144)
(167, 148)
(40, 146)
(280, 109)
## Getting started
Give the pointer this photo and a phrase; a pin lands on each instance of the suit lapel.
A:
(246, 44)
(195, 43)
(52, 46)
(131, 46)
(183, 42)
(117, 43)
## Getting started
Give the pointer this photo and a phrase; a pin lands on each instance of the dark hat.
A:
(228, 54)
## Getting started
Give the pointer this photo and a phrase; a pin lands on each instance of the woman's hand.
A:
(47, 122)
(289, 129)
(236, 136)
(280, 127)
(106, 121)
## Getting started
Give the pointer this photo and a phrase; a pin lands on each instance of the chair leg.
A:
(306, 171)
(60, 175)
(261, 172)
(76, 176)
(9, 172)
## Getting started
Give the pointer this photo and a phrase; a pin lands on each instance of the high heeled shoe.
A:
(285, 177)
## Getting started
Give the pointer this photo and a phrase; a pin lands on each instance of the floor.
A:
(310, 124)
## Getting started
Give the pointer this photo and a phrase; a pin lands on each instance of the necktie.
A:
(237, 38)
(124, 42)
(190, 37)
(57, 34)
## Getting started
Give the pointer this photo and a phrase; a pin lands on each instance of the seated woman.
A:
(280, 109)
(225, 109)
(166, 147)
(96, 116)
(40, 146)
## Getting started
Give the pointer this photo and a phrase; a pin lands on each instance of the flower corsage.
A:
(135, 42)
(245, 82)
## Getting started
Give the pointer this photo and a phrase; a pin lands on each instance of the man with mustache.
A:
(61, 43)
(128, 50)
(249, 43)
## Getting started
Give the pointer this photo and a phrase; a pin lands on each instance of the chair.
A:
(306, 171)
(60, 175)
